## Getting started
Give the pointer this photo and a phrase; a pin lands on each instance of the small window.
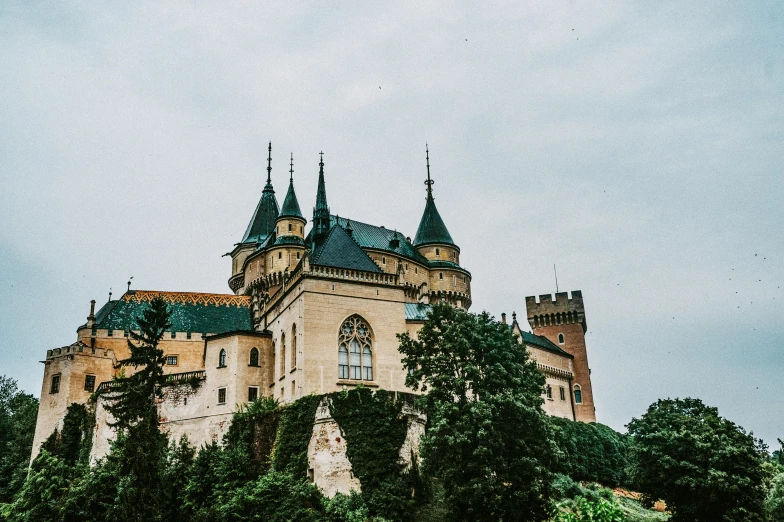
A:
(55, 387)
(297, 255)
(438, 253)
(171, 360)
(562, 393)
(300, 230)
(560, 338)
(110, 333)
(174, 334)
(187, 335)
(221, 395)
(289, 227)
(293, 347)
(222, 359)
(383, 260)
(578, 394)
(406, 266)
(440, 275)
(280, 255)
(254, 357)
(416, 270)
(89, 383)
(125, 333)
(293, 389)
(253, 393)
(549, 391)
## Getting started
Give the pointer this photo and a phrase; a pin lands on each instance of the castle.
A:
(310, 313)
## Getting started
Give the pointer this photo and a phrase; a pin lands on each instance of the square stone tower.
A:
(562, 321)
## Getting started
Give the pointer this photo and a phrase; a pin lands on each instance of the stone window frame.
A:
(222, 395)
(256, 389)
(54, 383)
(578, 394)
(351, 331)
(253, 357)
(293, 346)
(87, 381)
(222, 358)
(548, 391)
(562, 393)
(561, 338)
(176, 358)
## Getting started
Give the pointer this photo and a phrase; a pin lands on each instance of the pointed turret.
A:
(431, 227)
(321, 210)
(290, 206)
(263, 221)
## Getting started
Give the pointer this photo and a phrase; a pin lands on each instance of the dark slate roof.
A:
(288, 240)
(417, 311)
(448, 264)
(544, 343)
(190, 311)
(432, 228)
(369, 236)
(339, 250)
(263, 221)
(290, 206)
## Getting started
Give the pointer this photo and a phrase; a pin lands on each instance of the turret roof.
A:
(263, 221)
(290, 206)
(431, 227)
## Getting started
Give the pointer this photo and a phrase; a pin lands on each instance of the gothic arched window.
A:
(222, 359)
(355, 350)
(578, 394)
(254, 357)
(282, 354)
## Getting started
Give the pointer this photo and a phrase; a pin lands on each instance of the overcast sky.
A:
(636, 145)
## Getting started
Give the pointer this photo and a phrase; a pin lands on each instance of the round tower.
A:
(289, 245)
(448, 281)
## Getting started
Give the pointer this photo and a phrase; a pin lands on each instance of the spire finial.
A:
(291, 171)
(429, 181)
(321, 162)
(269, 164)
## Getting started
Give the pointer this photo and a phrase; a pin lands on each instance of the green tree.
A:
(705, 467)
(140, 446)
(18, 413)
(43, 492)
(774, 502)
(591, 452)
(488, 437)
(584, 510)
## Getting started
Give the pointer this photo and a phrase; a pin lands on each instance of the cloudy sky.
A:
(636, 145)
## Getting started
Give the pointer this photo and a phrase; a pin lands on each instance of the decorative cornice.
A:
(194, 298)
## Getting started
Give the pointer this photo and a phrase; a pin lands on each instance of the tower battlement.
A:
(561, 310)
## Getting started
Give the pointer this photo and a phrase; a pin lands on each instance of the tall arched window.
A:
(254, 357)
(578, 394)
(222, 359)
(293, 346)
(282, 354)
(355, 350)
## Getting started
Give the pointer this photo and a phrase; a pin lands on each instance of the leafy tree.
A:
(705, 467)
(179, 462)
(274, 497)
(584, 510)
(488, 437)
(774, 502)
(591, 452)
(42, 495)
(18, 414)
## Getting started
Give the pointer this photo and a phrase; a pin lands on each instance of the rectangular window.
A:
(55, 387)
(171, 360)
(562, 392)
(221, 395)
(253, 393)
(110, 333)
(343, 371)
(89, 383)
(289, 227)
(549, 392)
(293, 389)
(174, 334)
(187, 335)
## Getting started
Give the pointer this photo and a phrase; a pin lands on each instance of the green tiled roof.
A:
(369, 236)
(339, 250)
(190, 311)
(432, 228)
(263, 221)
(290, 206)
(417, 311)
(544, 343)
(288, 240)
(448, 264)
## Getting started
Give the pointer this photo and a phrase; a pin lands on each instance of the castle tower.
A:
(321, 210)
(289, 244)
(562, 321)
(261, 225)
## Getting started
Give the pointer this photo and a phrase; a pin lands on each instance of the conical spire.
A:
(263, 221)
(290, 204)
(321, 210)
(431, 227)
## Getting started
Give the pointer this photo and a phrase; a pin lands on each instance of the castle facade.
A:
(311, 312)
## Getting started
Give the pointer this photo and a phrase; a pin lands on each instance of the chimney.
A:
(503, 317)
(91, 317)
